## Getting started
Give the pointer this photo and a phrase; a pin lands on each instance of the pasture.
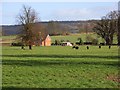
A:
(60, 67)
(72, 38)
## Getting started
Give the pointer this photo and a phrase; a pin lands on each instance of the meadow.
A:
(60, 67)
(72, 38)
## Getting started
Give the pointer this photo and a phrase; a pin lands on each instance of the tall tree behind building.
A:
(119, 23)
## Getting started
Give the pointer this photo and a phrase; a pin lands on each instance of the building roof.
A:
(46, 36)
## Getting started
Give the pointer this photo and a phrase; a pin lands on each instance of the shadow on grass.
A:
(63, 56)
(40, 63)
(15, 88)
(57, 62)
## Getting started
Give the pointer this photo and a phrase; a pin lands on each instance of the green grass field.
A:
(8, 37)
(72, 38)
(60, 67)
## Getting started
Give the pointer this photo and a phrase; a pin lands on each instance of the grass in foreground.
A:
(60, 67)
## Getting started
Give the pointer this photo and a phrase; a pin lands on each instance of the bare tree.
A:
(107, 27)
(27, 18)
(113, 26)
(40, 32)
(119, 30)
(119, 23)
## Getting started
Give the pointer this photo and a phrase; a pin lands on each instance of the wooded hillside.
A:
(61, 27)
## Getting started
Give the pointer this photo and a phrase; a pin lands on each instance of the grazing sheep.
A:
(75, 47)
(99, 46)
(109, 47)
(87, 47)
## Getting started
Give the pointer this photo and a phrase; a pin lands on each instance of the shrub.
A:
(89, 38)
(95, 41)
(67, 41)
(88, 43)
(57, 42)
(62, 40)
(102, 43)
(52, 44)
(17, 44)
(79, 42)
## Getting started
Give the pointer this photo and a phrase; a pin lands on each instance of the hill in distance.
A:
(72, 27)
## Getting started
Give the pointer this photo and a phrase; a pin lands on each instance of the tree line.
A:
(32, 30)
(107, 27)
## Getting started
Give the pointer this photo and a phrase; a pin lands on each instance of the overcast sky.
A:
(60, 11)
